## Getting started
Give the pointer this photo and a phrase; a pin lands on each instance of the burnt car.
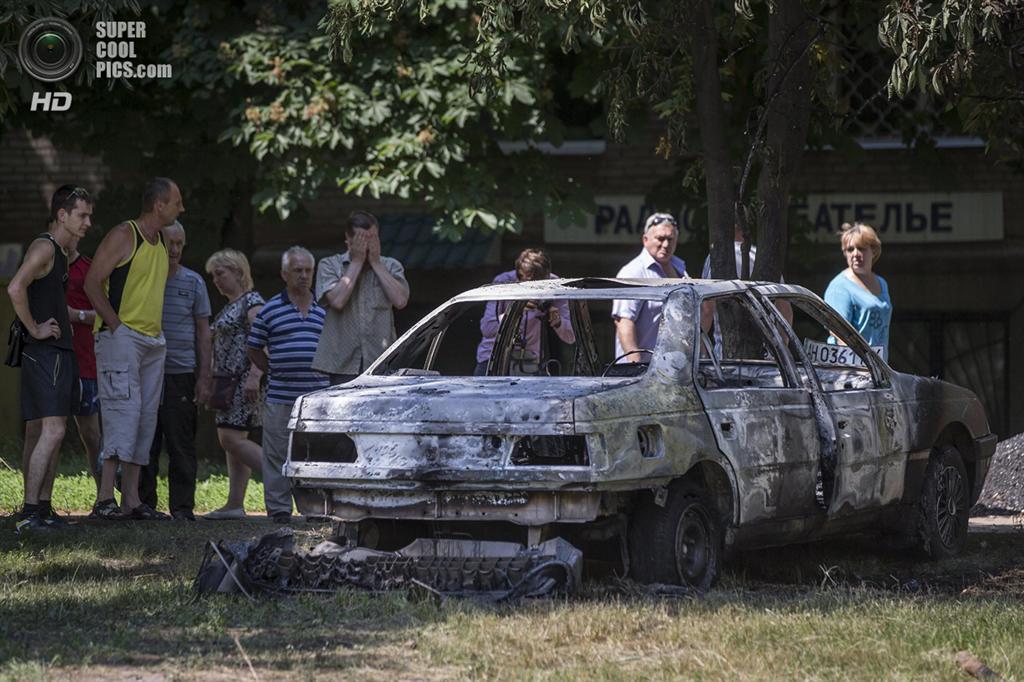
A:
(759, 417)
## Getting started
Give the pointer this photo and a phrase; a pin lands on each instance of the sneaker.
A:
(55, 520)
(282, 517)
(183, 515)
(107, 510)
(30, 524)
(225, 514)
(146, 513)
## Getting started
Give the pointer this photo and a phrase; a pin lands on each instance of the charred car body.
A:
(763, 430)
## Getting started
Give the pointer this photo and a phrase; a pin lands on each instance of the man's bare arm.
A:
(625, 329)
(37, 263)
(114, 248)
(338, 295)
(251, 390)
(258, 357)
(395, 289)
(88, 317)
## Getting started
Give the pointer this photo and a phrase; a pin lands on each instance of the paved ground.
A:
(998, 524)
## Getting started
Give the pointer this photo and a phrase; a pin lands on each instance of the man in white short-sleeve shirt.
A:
(636, 322)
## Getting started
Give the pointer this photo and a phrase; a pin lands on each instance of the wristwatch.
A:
(81, 316)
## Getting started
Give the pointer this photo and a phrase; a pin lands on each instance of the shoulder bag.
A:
(222, 393)
(15, 344)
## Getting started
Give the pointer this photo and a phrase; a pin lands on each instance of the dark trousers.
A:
(175, 429)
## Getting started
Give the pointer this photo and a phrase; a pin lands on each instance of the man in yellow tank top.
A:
(126, 287)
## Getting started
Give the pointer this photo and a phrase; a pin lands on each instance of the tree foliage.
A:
(971, 52)
(260, 108)
(273, 103)
(736, 88)
(400, 117)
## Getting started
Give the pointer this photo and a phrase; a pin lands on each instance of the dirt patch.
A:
(1008, 583)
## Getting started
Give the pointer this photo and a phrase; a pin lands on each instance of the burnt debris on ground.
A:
(488, 571)
(1004, 486)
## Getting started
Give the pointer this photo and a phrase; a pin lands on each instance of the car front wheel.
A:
(680, 543)
(945, 505)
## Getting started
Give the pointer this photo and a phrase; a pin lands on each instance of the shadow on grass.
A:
(120, 595)
(865, 562)
(156, 626)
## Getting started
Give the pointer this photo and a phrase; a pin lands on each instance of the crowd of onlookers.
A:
(129, 330)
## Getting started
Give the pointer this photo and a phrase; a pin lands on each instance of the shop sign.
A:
(908, 217)
(917, 217)
(619, 219)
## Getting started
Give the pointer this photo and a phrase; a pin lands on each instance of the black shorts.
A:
(49, 382)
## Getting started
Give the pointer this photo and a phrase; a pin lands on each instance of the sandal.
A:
(107, 510)
(146, 513)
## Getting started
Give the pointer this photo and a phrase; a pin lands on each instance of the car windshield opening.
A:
(522, 337)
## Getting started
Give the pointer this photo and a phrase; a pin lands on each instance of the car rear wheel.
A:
(680, 543)
(945, 505)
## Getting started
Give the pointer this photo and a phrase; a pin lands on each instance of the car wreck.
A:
(760, 417)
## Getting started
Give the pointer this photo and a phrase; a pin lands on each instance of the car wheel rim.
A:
(693, 545)
(950, 503)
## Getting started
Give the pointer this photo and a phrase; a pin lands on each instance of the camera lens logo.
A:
(50, 50)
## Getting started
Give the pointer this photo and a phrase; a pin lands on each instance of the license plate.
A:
(832, 354)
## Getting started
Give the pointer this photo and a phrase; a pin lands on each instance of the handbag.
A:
(523, 362)
(222, 392)
(15, 344)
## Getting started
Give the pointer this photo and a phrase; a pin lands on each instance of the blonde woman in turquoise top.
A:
(857, 293)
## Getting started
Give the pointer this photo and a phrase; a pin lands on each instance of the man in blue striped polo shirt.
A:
(186, 327)
(282, 342)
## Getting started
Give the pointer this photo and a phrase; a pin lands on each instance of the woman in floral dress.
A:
(232, 277)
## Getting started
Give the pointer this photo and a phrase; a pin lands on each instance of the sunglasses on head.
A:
(658, 219)
(75, 192)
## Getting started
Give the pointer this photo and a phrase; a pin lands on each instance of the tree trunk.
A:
(788, 93)
(711, 120)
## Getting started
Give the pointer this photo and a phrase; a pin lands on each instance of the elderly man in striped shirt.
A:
(282, 343)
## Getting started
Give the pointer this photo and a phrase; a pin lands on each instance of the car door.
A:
(869, 468)
(763, 419)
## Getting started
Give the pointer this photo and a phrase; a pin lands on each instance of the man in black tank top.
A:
(49, 374)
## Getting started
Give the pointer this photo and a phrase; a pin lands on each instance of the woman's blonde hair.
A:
(232, 260)
(863, 235)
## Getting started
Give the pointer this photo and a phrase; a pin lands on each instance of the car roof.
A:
(609, 288)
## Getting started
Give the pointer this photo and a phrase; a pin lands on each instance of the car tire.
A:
(680, 543)
(944, 509)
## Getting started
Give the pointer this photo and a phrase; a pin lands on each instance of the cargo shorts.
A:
(130, 377)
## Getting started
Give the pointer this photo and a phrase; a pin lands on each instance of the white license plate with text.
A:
(832, 354)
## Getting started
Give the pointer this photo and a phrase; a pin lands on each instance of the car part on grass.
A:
(491, 571)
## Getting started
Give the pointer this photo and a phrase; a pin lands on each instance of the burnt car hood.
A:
(396, 404)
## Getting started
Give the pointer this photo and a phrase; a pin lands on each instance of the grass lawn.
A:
(75, 491)
(114, 601)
